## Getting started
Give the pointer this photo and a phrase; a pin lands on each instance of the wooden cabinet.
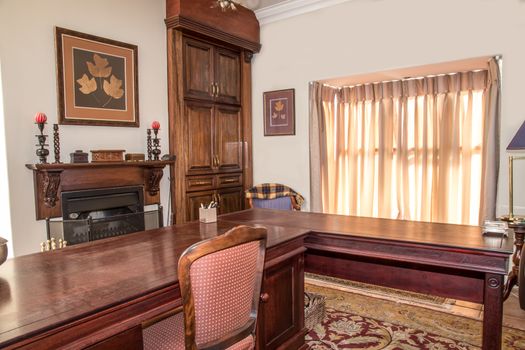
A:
(210, 122)
(214, 140)
(228, 199)
(211, 72)
(280, 323)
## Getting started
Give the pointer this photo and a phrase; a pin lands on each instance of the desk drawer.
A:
(229, 180)
(200, 183)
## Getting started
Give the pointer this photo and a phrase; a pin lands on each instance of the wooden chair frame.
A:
(234, 237)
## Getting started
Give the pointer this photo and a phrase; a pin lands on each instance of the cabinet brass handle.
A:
(265, 297)
(218, 161)
(227, 181)
(218, 90)
(212, 85)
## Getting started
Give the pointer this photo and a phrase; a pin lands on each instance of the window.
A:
(414, 149)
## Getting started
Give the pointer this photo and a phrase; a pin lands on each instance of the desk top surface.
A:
(40, 291)
(433, 234)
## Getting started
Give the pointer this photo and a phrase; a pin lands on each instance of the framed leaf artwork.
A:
(97, 80)
(279, 112)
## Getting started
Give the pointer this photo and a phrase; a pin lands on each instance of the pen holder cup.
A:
(207, 215)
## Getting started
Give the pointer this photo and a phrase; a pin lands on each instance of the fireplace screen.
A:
(85, 230)
(102, 213)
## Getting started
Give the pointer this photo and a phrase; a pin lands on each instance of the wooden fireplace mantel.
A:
(50, 180)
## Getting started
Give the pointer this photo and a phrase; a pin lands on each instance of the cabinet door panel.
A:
(199, 138)
(228, 138)
(194, 200)
(278, 321)
(230, 200)
(198, 69)
(228, 76)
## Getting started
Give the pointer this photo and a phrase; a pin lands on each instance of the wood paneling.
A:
(228, 141)
(198, 69)
(227, 76)
(199, 139)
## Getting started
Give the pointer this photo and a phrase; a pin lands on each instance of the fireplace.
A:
(101, 213)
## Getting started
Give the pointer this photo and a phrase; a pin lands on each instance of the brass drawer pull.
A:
(230, 180)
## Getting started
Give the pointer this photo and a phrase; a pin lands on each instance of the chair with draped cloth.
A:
(220, 281)
(274, 196)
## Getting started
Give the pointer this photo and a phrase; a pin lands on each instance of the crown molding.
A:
(291, 8)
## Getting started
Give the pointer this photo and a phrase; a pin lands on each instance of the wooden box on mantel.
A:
(107, 155)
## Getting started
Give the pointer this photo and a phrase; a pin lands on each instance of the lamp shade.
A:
(518, 141)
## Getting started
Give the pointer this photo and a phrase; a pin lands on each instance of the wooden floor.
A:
(513, 315)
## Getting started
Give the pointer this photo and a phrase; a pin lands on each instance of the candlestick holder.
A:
(42, 152)
(56, 143)
(148, 143)
(156, 145)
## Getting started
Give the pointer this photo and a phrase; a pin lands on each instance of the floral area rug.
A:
(397, 295)
(355, 321)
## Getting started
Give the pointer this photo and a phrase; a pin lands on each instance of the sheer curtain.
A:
(417, 149)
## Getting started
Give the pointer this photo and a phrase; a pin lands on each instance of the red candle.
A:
(155, 125)
(40, 118)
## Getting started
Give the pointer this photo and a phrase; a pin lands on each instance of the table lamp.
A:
(516, 145)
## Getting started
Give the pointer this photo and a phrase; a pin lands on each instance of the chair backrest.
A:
(281, 203)
(274, 196)
(220, 281)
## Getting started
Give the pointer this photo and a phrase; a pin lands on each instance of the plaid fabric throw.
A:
(272, 191)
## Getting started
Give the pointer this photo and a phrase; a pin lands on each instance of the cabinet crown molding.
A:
(291, 8)
(239, 27)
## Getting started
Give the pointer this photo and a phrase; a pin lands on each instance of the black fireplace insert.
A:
(95, 214)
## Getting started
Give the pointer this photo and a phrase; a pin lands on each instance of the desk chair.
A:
(220, 281)
(274, 196)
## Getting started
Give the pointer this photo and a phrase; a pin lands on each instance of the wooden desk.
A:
(95, 295)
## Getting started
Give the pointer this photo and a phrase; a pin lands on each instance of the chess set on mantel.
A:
(105, 155)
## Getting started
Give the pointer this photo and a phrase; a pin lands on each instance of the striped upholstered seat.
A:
(220, 282)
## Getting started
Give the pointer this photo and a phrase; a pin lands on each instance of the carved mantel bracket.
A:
(50, 184)
(154, 181)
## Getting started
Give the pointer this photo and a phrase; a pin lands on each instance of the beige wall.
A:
(28, 79)
(359, 37)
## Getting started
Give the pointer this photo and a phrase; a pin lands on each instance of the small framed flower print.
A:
(279, 112)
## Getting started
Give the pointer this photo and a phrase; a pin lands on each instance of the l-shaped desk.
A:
(96, 295)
